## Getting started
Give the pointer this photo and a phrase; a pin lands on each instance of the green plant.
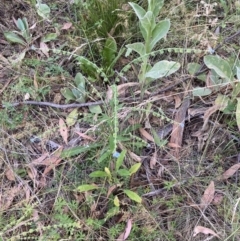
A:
(23, 36)
(152, 33)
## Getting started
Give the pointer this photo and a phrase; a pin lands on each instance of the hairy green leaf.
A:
(43, 10)
(140, 12)
(162, 68)
(148, 22)
(220, 65)
(14, 38)
(159, 32)
(67, 93)
(137, 47)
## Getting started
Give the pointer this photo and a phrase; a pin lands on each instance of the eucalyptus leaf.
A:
(201, 91)
(14, 38)
(162, 68)
(137, 47)
(220, 65)
(159, 32)
(133, 196)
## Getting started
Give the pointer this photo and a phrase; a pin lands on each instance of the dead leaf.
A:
(10, 174)
(160, 171)
(208, 195)
(9, 195)
(146, 134)
(44, 48)
(84, 136)
(207, 115)
(112, 188)
(40, 160)
(178, 101)
(127, 231)
(201, 229)
(230, 171)
(153, 160)
(63, 130)
(173, 145)
(134, 156)
(121, 89)
(66, 26)
(217, 199)
(178, 126)
(33, 174)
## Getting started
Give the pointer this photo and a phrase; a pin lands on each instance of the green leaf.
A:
(139, 11)
(120, 159)
(135, 168)
(20, 24)
(72, 117)
(86, 187)
(137, 47)
(123, 172)
(98, 174)
(109, 52)
(73, 151)
(79, 80)
(14, 38)
(238, 113)
(116, 201)
(43, 10)
(220, 65)
(159, 142)
(148, 22)
(193, 68)
(238, 73)
(67, 93)
(223, 101)
(104, 156)
(155, 6)
(201, 91)
(160, 31)
(133, 196)
(162, 68)
(95, 109)
(49, 37)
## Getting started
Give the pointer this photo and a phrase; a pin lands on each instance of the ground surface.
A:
(59, 177)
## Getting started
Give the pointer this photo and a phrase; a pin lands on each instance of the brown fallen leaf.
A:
(153, 160)
(217, 199)
(40, 160)
(232, 170)
(10, 174)
(84, 136)
(145, 134)
(9, 195)
(134, 156)
(44, 48)
(126, 232)
(121, 89)
(178, 126)
(208, 195)
(207, 115)
(66, 26)
(203, 230)
(178, 101)
(63, 130)
(111, 189)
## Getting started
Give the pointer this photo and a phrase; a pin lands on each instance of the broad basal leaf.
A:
(14, 38)
(140, 12)
(133, 196)
(43, 10)
(160, 31)
(162, 68)
(220, 65)
(137, 47)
